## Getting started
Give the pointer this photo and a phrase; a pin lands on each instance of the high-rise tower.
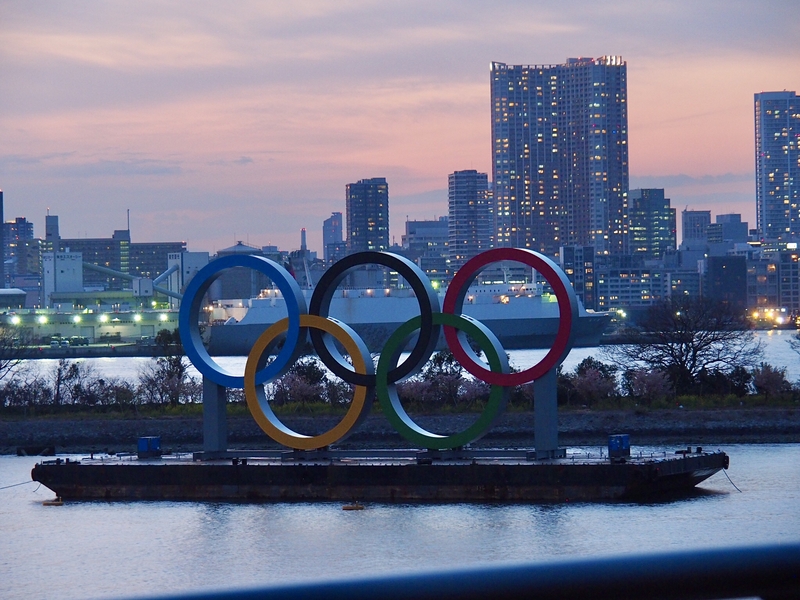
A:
(560, 162)
(470, 216)
(777, 116)
(367, 207)
(332, 237)
(652, 223)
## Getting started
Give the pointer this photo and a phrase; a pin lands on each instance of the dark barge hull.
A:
(545, 481)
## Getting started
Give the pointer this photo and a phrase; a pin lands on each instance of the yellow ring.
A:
(261, 410)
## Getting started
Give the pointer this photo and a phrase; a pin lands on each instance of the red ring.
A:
(567, 311)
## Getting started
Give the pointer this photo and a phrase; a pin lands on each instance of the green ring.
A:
(390, 402)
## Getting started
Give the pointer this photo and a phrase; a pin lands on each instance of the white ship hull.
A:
(519, 320)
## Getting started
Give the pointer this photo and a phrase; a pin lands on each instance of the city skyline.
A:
(248, 126)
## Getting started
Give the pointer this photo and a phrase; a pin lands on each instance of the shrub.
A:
(646, 386)
(770, 381)
(594, 381)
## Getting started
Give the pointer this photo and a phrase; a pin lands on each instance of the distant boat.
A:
(521, 316)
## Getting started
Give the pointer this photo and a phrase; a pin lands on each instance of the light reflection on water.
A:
(98, 549)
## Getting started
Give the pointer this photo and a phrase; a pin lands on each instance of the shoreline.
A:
(673, 427)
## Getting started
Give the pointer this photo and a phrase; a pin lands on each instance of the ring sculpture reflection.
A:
(328, 335)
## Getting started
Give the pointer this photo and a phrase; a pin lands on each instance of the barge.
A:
(381, 476)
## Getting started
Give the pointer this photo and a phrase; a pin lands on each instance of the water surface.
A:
(101, 550)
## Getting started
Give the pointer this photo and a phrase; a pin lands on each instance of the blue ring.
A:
(190, 312)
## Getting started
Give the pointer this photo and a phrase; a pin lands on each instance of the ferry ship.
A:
(521, 316)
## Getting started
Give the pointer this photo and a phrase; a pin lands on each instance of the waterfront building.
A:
(51, 233)
(150, 259)
(652, 225)
(426, 243)
(725, 280)
(367, 215)
(560, 155)
(789, 279)
(16, 234)
(112, 253)
(239, 283)
(12, 299)
(182, 267)
(777, 132)
(332, 238)
(629, 287)
(61, 272)
(763, 289)
(27, 275)
(682, 282)
(471, 222)
(578, 262)
(146, 260)
(334, 252)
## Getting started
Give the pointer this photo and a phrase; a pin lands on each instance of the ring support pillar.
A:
(215, 416)
(545, 416)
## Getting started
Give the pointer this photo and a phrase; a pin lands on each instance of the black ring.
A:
(426, 297)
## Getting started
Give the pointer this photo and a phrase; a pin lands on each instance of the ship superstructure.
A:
(520, 315)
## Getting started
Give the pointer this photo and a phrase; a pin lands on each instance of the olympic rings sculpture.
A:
(313, 322)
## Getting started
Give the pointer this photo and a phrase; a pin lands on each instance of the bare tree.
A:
(794, 342)
(14, 348)
(687, 337)
(166, 380)
(74, 382)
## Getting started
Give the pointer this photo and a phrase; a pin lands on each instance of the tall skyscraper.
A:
(652, 223)
(16, 235)
(560, 162)
(367, 207)
(777, 116)
(51, 235)
(470, 216)
(331, 237)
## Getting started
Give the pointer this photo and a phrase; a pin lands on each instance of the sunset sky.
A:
(215, 122)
